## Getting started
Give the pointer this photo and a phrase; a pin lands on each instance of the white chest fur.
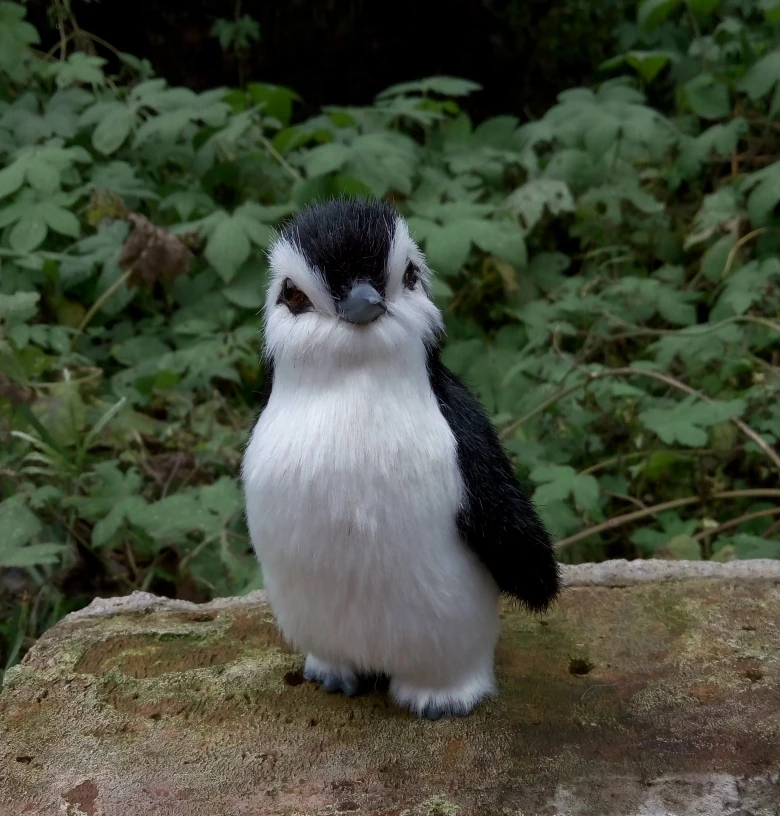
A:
(352, 491)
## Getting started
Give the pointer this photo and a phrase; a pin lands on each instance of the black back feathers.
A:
(497, 520)
(346, 239)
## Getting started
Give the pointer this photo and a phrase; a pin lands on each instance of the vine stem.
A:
(727, 525)
(703, 328)
(102, 299)
(627, 518)
(653, 375)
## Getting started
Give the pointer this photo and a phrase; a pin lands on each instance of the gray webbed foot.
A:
(431, 712)
(331, 678)
(333, 683)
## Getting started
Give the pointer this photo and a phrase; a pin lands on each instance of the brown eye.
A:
(294, 298)
(411, 276)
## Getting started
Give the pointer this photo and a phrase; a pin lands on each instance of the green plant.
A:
(236, 36)
(608, 274)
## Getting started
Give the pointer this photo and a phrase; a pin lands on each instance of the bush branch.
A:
(667, 379)
(727, 525)
(627, 518)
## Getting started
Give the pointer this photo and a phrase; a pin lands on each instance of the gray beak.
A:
(362, 305)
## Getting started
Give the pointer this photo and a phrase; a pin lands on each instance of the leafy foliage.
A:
(608, 274)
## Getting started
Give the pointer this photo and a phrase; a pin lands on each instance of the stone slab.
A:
(652, 689)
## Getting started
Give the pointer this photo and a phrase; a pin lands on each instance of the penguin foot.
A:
(433, 703)
(331, 678)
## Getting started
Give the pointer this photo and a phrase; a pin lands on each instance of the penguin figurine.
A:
(385, 514)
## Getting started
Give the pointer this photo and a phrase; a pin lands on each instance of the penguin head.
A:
(347, 281)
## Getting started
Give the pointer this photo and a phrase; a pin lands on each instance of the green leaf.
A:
(674, 305)
(685, 423)
(751, 546)
(112, 131)
(28, 233)
(62, 411)
(325, 159)
(684, 548)
(717, 211)
(247, 289)
(704, 7)
(19, 306)
(108, 487)
(447, 248)
(444, 85)
(707, 97)
(500, 238)
(43, 176)
(79, 68)
(277, 101)
(651, 13)
(120, 514)
(530, 200)
(771, 9)
(32, 555)
(586, 492)
(648, 64)
(228, 247)
(60, 220)
(722, 139)
(19, 525)
(713, 262)
(762, 76)
(764, 187)
(12, 178)
(558, 482)
(672, 427)
(15, 35)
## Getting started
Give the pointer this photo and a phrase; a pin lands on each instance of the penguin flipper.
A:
(497, 520)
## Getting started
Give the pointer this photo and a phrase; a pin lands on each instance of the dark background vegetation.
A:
(595, 184)
(346, 51)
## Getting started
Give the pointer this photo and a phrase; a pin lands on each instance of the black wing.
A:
(497, 519)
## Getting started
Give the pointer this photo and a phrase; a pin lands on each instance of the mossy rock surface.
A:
(647, 690)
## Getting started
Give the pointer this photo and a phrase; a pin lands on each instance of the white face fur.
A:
(320, 334)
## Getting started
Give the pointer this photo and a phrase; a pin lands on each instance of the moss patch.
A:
(164, 707)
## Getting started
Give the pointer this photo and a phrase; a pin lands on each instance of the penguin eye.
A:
(294, 298)
(411, 276)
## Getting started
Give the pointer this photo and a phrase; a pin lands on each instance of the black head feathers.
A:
(345, 239)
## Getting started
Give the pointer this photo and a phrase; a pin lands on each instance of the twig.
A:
(727, 525)
(278, 156)
(145, 466)
(729, 258)
(192, 553)
(131, 560)
(653, 375)
(737, 245)
(770, 531)
(80, 32)
(619, 521)
(625, 457)
(174, 470)
(102, 299)
(696, 31)
(625, 497)
(63, 38)
(692, 331)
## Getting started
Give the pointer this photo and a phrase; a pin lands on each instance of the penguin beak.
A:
(362, 305)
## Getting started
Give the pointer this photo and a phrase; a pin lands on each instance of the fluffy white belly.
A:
(352, 492)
